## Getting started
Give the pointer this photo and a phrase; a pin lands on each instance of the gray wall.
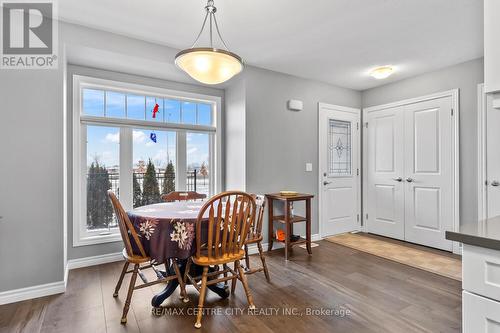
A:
(279, 142)
(113, 247)
(31, 190)
(466, 77)
(235, 131)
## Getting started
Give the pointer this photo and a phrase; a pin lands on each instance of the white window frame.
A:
(81, 236)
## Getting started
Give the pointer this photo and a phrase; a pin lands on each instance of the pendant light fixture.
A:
(209, 65)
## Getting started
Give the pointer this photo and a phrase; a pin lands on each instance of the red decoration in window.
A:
(156, 110)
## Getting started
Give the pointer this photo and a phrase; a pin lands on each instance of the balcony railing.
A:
(194, 181)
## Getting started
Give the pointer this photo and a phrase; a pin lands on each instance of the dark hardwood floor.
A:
(381, 295)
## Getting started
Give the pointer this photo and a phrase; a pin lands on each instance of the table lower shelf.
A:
(293, 218)
(299, 241)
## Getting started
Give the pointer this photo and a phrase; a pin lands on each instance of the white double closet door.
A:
(410, 172)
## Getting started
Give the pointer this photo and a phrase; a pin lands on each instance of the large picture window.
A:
(140, 142)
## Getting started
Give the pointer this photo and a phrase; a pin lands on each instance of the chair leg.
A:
(180, 278)
(201, 301)
(244, 281)
(186, 271)
(225, 275)
(233, 282)
(247, 259)
(263, 259)
(129, 295)
(120, 280)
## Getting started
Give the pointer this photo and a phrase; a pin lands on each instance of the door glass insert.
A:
(339, 148)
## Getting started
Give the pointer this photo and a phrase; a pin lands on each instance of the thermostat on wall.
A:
(295, 105)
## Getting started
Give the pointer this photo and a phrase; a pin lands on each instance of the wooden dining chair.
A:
(226, 218)
(182, 196)
(255, 237)
(134, 254)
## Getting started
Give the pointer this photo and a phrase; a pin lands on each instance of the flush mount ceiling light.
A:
(209, 65)
(382, 72)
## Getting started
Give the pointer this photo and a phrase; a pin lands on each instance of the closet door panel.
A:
(385, 172)
(429, 172)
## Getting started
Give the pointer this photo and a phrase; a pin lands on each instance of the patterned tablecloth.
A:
(167, 230)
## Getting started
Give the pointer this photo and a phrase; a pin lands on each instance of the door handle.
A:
(398, 179)
(495, 183)
(326, 183)
(409, 180)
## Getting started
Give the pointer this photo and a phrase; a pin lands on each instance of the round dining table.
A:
(167, 232)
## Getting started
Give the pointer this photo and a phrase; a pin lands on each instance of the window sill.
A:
(96, 239)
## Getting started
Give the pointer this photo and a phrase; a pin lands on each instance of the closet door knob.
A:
(398, 179)
(495, 183)
(409, 180)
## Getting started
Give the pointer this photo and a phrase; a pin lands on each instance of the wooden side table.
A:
(289, 220)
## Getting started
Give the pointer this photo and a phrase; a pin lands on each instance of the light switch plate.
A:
(309, 167)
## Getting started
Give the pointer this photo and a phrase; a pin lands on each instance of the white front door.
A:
(429, 172)
(385, 166)
(339, 169)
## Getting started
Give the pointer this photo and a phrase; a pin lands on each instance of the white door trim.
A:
(482, 208)
(454, 94)
(333, 107)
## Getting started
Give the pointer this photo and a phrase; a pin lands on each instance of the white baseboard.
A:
(23, 294)
(95, 260)
(53, 288)
(316, 237)
(66, 273)
(59, 287)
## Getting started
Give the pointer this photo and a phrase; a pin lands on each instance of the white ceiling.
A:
(334, 41)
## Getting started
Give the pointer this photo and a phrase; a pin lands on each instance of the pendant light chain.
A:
(218, 33)
(201, 31)
(211, 9)
(211, 38)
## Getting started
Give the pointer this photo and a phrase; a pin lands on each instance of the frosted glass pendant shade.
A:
(209, 65)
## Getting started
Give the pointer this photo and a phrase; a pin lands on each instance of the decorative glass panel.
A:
(339, 148)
